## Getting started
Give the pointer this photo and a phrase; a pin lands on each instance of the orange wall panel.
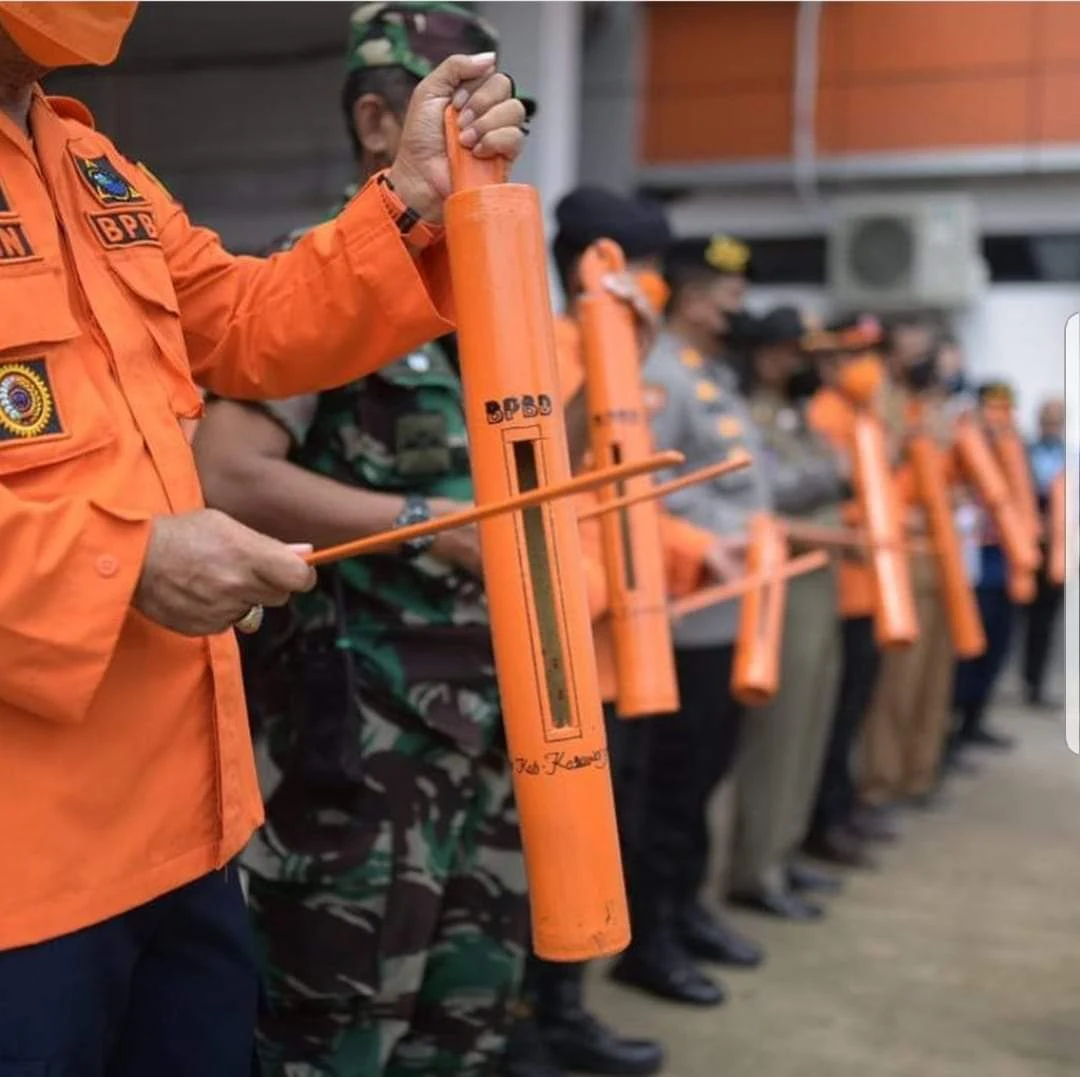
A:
(962, 113)
(1057, 32)
(1059, 109)
(695, 46)
(725, 126)
(892, 77)
(943, 38)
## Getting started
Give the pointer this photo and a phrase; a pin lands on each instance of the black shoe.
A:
(582, 1044)
(707, 937)
(984, 738)
(782, 904)
(670, 975)
(873, 822)
(526, 1053)
(839, 845)
(808, 880)
(956, 761)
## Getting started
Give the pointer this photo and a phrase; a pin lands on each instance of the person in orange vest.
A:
(127, 784)
(909, 720)
(852, 376)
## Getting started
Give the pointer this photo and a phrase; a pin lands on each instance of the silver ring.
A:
(251, 622)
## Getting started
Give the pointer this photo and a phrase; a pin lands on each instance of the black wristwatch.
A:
(415, 511)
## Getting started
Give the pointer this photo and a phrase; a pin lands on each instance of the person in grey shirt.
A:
(700, 413)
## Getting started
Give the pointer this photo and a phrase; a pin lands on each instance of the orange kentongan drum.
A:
(619, 432)
(979, 464)
(1055, 568)
(532, 562)
(1014, 465)
(961, 608)
(755, 671)
(895, 620)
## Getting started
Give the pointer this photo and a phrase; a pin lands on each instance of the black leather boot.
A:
(808, 880)
(526, 1053)
(578, 1041)
(707, 937)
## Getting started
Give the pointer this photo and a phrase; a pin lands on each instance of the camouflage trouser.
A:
(392, 915)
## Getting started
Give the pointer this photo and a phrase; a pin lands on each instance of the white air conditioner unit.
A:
(891, 253)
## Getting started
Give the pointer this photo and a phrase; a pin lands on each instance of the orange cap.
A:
(68, 34)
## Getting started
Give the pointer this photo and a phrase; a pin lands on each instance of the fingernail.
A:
(301, 547)
(469, 138)
(483, 57)
(461, 95)
(467, 117)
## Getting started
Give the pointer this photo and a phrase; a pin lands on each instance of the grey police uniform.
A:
(699, 413)
(703, 416)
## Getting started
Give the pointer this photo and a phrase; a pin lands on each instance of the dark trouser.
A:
(166, 990)
(690, 755)
(1042, 616)
(858, 675)
(549, 983)
(976, 677)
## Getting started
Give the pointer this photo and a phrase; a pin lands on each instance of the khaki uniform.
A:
(784, 742)
(909, 718)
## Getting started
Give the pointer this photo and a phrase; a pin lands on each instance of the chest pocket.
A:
(426, 438)
(50, 411)
(143, 276)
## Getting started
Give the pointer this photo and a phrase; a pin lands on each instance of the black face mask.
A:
(739, 328)
(922, 375)
(804, 383)
(955, 383)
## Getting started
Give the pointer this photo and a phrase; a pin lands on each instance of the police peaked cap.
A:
(722, 254)
(587, 214)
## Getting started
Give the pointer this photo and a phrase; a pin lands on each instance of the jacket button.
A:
(107, 565)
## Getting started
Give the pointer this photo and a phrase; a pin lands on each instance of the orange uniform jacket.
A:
(832, 416)
(125, 763)
(685, 545)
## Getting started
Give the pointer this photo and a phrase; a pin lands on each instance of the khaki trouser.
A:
(909, 717)
(784, 742)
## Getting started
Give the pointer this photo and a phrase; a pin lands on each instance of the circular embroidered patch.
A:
(25, 402)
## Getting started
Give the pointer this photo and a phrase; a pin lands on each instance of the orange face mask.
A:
(68, 34)
(654, 288)
(860, 378)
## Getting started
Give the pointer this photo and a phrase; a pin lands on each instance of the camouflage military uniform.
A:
(387, 886)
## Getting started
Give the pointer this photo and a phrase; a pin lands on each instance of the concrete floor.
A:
(960, 958)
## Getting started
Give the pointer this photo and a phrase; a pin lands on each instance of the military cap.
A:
(587, 214)
(720, 253)
(418, 37)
